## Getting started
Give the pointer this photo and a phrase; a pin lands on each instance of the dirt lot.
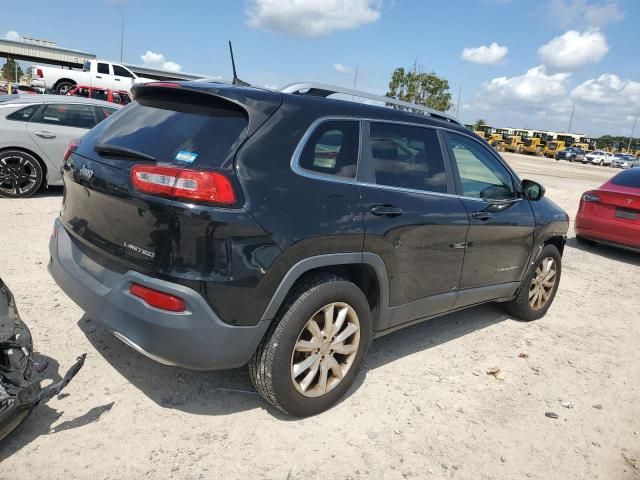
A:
(424, 408)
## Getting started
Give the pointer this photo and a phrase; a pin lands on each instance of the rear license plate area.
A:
(627, 213)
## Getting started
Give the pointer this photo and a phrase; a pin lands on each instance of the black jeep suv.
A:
(210, 225)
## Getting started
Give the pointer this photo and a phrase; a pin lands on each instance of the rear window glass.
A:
(628, 178)
(332, 149)
(196, 130)
(24, 114)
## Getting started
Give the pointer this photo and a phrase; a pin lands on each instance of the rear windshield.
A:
(628, 178)
(195, 130)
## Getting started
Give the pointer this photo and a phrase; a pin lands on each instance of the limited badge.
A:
(184, 156)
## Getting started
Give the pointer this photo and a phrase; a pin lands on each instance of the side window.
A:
(407, 157)
(24, 114)
(103, 68)
(482, 175)
(333, 148)
(105, 111)
(121, 71)
(68, 115)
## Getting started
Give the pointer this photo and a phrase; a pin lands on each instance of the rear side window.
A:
(628, 178)
(24, 114)
(68, 115)
(197, 130)
(407, 157)
(332, 149)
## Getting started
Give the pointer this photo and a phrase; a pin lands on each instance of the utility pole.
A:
(633, 130)
(573, 106)
(459, 96)
(122, 41)
(355, 80)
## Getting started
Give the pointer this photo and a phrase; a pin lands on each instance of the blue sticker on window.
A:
(184, 156)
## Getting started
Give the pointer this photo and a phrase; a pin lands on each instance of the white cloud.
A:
(13, 35)
(535, 86)
(156, 60)
(311, 18)
(609, 90)
(487, 55)
(574, 50)
(577, 12)
(340, 68)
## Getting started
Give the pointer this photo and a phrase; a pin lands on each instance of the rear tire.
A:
(63, 87)
(301, 342)
(539, 287)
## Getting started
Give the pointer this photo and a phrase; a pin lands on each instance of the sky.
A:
(517, 63)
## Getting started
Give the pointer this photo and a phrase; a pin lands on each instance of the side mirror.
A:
(532, 190)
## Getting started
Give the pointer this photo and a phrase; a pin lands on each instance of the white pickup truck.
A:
(94, 73)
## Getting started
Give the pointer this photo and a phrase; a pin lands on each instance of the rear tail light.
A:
(590, 197)
(157, 299)
(39, 73)
(174, 182)
(73, 145)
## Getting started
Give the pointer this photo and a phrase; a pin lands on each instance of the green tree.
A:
(9, 70)
(479, 123)
(421, 88)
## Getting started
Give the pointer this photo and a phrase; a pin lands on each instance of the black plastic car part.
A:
(20, 390)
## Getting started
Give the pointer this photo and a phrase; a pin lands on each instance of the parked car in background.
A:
(624, 160)
(18, 88)
(35, 131)
(95, 73)
(571, 154)
(611, 214)
(120, 97)
(598, 157)
(353, 229)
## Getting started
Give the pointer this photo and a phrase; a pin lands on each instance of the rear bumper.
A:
(195, 339)
(615, 232)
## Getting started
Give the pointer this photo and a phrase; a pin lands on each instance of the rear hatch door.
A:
(196, 128)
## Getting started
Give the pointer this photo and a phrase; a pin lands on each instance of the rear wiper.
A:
(117, 151)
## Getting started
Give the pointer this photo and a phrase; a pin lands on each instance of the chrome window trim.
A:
(295, 159)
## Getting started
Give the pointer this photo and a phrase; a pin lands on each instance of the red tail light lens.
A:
(590, 197)
(157, 299)
(39, 73)
(174, 182)
(73, 145)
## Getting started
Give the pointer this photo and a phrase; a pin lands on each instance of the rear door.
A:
(500, 237)
(413, 219)
(56, 124)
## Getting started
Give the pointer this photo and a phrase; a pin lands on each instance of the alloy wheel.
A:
(325, 349)
(18, 174)
(542, 283)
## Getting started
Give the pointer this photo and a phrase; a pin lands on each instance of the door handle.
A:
(386, 211)
(117, 79)
(98, 76)
(482, 215)
(43, 134)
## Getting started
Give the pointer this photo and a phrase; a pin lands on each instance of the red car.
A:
(114, 96)
(611, 214)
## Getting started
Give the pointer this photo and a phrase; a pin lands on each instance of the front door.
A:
(502, 224)
(56, 124)
(413, 219)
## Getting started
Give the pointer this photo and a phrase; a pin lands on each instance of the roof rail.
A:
(323, 90)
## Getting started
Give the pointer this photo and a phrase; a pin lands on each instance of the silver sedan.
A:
(35, 131)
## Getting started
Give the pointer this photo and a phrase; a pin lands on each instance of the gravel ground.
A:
(423, 408)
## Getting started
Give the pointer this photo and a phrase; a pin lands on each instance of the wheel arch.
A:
(43, 164)
(366, 270)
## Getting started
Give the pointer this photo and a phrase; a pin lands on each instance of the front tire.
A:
(312, 355)
(538, 289)
(21, 174)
